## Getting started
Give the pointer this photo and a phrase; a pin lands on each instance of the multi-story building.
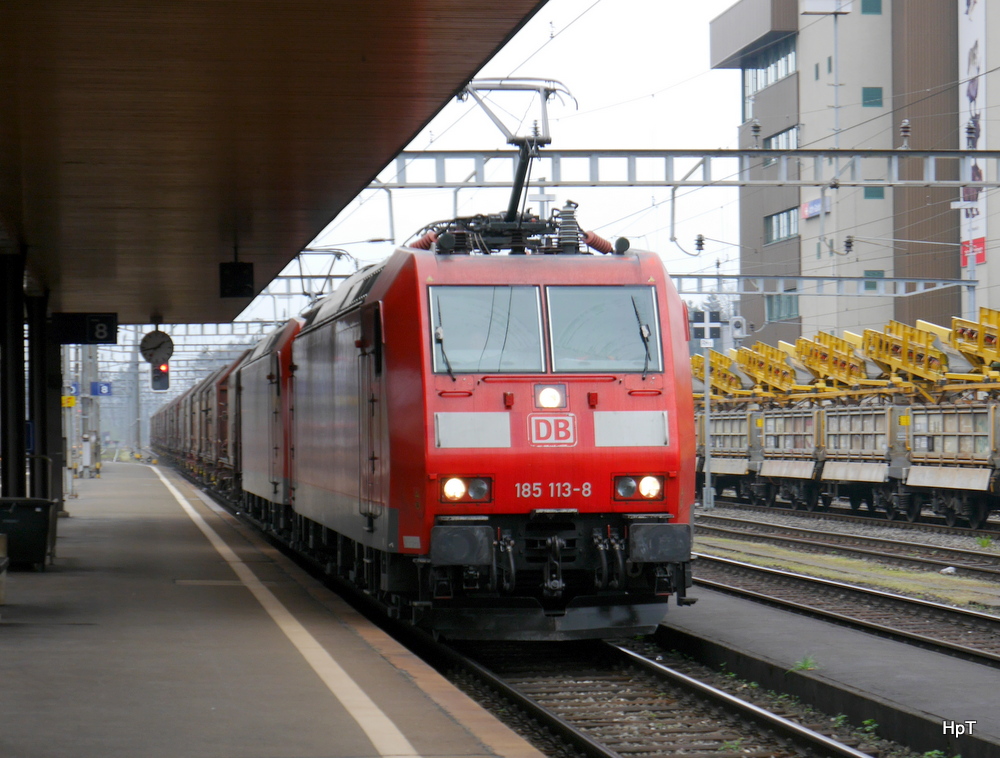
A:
(838, 74)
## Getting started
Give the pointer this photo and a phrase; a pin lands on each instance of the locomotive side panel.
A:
(260, 429)
(265, 407)
(338, 474)
(402, 323)
(677, 382)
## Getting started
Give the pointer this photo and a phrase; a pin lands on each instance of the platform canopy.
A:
(141, 142)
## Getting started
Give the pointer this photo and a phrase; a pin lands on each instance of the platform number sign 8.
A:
(102, 328)
(100, 389)
(85, 328)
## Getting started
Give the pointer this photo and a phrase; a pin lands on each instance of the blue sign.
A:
(812, 208)
(100, 389)
(74, 389)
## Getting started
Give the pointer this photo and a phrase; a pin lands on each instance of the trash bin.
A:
(27, 522)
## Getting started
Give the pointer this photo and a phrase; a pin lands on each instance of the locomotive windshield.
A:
(604, 329)
(486, 329)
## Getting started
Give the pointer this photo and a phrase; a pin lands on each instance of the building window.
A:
(872, 286)
(781, 307)
(781, 226)
(871, 97)
(786, 140)
(817, 72)
(764, 68)
(871, 7)
(829, 64)
(874, 193)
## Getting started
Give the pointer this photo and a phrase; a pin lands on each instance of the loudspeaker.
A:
(236, 279)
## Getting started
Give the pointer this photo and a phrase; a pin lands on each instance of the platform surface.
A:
(144, 640)
(936, 686)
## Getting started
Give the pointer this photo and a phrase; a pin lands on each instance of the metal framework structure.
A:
(815, 286)
(458, 170)
(824, 169)
(700, 168)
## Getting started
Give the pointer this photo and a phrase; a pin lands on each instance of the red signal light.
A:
(160, 376)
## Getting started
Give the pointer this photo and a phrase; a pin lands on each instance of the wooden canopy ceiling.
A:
(141, 141)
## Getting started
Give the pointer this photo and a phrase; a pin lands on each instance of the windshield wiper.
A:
(439, 338)
(643, 333)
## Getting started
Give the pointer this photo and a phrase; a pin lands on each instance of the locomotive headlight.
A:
(650, 487)
(625, 486)
(454, 489)
(646, 487)
(479, 489)
(550, 395)
(473, 489)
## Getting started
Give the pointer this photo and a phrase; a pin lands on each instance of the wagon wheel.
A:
(827, 501)
(951, 510)
(811, 500)
(899, 505)
(763, 494)
(978, 514)
(912, 511)
(770, 496)
(744, 492)
(855, 500)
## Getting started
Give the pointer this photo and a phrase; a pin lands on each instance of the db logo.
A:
(552, 430)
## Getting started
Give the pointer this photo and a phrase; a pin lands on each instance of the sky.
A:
(639, 72)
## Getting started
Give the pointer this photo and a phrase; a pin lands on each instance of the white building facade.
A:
(838, 74)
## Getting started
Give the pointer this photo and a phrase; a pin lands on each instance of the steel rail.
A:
(800, 735)
(441, 656)
(831, 543)
(567, 731)
(951, 648)
(876, 518)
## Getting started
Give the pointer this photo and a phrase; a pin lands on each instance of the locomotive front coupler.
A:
(607, 542)
(554, 584)
(601, 572)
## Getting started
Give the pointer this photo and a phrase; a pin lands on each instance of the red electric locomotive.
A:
(264, 411)
(497, 446)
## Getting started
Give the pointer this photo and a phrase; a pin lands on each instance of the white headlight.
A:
(550, 397)
(625, 486)
(454, 489)
(479, 489)
(649, 487)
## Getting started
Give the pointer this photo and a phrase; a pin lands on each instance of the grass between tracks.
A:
(929, 585)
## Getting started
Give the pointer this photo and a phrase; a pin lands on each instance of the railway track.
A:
(971, 635)
(629, 705)
(608, 701)
(932, 524)
(930, 557)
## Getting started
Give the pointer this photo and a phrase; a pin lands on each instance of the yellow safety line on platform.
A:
(379, 728)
